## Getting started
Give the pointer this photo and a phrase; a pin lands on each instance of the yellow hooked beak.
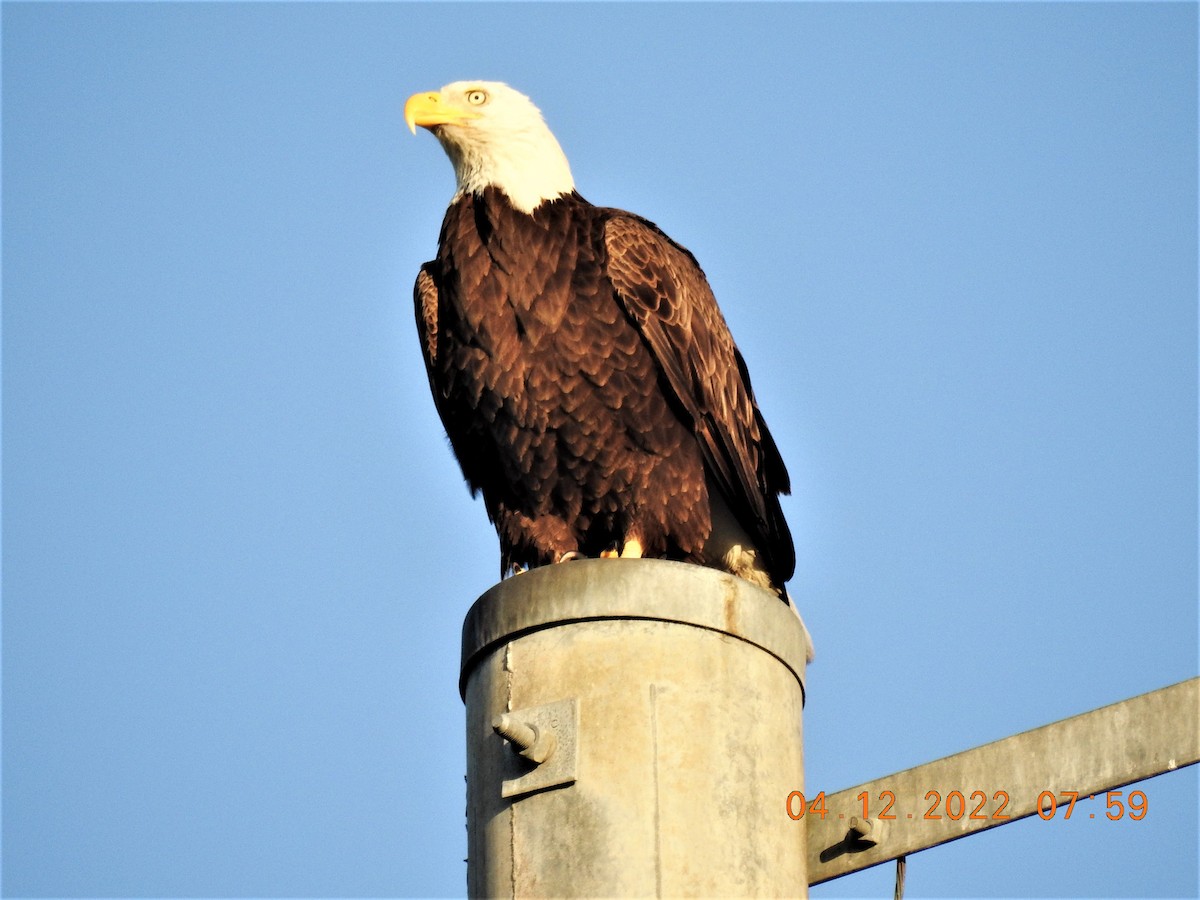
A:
(431, 108)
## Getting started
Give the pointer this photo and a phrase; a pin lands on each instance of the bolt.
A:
(863, 831)
(535, 745)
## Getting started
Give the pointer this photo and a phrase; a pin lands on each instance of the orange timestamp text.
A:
(976, 805)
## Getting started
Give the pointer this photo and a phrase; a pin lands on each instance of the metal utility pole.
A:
(633, 729)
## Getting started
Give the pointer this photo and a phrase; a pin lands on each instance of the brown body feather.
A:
(590, 387)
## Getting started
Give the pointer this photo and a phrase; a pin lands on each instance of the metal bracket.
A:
(543, 737)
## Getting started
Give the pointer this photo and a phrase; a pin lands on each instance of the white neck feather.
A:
(529, 167)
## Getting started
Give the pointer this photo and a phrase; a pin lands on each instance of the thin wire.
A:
(901, 868)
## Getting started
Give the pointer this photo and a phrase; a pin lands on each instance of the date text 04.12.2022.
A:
(957, 805)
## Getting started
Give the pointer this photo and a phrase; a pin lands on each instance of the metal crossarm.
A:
(1048, 768)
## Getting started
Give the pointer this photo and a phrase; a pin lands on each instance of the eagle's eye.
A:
(477, 97)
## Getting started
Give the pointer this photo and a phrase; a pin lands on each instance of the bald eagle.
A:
(587, 381)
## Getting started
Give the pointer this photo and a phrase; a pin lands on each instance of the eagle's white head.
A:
(494, 136)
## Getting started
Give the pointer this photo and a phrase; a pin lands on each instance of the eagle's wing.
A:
(664, 291)
(425, 302)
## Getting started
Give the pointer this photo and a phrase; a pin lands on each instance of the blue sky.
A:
(956, 244)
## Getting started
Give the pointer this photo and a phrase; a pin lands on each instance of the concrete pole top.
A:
(646, 589)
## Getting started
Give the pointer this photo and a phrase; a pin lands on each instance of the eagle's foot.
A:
(632, 549)
(569, 556)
